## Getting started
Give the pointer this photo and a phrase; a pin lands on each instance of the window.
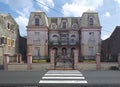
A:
(64, 24)
(9, 41)
(91, 36)
(36, 21)
(53, 26)
(91, 21)
(55, 39)
(72, 40)
(56, 51)
(91, 51)
(3, 40)
(73, 36)
(13, 43)
(36, 38)
(55, 36)
(8, 25)
(36, 51)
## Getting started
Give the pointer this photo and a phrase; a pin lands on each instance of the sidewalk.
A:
(46, 66)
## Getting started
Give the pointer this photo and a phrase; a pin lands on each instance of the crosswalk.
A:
(63, 76)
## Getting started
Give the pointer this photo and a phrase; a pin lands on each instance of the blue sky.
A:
(108, 10)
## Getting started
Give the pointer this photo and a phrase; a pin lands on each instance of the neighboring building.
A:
(8, 36)
(23, 47)
(64, 35)
(111, 46)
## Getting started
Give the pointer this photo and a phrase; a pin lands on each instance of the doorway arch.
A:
(56, 50)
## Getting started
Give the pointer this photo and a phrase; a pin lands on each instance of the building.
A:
(64, 35)
(23, 47)
(9, 34)
(111, 46)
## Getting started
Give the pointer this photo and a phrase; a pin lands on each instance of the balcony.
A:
(63, 43)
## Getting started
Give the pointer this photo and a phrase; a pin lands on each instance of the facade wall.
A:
(9, 35)
(37, 35)
(65, 33)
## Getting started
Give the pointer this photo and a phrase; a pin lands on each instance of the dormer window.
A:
(36, 21)
(64, 24)
(74, 26)
(91, 21)
(53, 26)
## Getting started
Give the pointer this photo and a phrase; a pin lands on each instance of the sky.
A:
(108, 11)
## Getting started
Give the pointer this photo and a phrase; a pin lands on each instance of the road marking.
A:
(63, 81)
(63, 71)
(63, 74)
(63, 77)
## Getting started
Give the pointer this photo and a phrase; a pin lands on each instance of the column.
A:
(16, 58)
(98, 64)
(6, 61)
(29, 61)
(119, 61)
(19, 58)
(75, 59)
(52, 59)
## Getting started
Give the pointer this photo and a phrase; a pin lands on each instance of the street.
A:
(60, 77)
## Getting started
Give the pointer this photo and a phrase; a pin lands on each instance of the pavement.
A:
(60, 78)
(46, 66)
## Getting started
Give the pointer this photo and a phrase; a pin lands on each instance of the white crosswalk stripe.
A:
(63, 76)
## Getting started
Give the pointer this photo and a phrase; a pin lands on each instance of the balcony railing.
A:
(52, 43)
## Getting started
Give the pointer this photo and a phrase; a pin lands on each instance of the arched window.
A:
(73, 36)
(56, 50)
(36, 21)
(55, 37)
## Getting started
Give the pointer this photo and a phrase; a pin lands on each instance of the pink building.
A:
(64, 35)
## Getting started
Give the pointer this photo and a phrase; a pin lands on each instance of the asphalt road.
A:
(33, 78)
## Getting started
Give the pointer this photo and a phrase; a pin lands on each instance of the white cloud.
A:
(77, 7)
(44, 3)
(105, 36)
(23, 9)
(107, 14)
(118, 1)
(22, 21)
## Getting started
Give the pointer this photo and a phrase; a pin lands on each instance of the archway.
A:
(56, 51)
